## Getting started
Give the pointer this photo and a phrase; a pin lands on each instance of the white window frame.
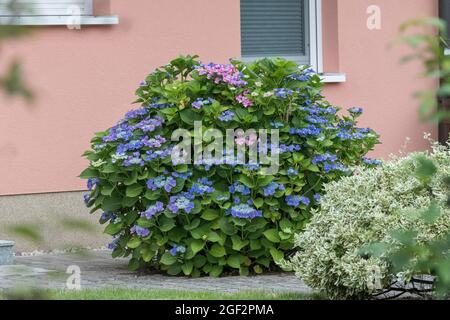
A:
(47, 18)
(315, 35)
(316, 44)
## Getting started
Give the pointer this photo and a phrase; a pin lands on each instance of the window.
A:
(282, 28)
(50, 12)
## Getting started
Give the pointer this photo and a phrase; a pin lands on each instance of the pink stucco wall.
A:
(376, 80)
(85, 80)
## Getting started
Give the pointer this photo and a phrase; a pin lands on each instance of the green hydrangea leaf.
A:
(134, 243)
(197, 245)
(168, 259)
(272, 235)
(134, 190)
(234, 261)
(217, 250)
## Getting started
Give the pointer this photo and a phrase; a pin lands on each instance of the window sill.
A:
(333, 77)
(58, 20)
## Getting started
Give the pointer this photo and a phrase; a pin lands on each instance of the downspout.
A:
(444, 102)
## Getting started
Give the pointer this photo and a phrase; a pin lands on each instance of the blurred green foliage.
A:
(427, 37)
(11, 79)
(28, 232)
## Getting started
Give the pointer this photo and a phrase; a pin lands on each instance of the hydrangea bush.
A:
(368, 208)
(214, 217)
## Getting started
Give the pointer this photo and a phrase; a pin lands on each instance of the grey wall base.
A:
(48, 215)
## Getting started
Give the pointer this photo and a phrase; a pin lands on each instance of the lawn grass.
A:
(162, 294)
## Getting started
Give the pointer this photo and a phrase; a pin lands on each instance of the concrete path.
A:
(99, 270)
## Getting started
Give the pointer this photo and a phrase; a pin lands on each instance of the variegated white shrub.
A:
(362, 209)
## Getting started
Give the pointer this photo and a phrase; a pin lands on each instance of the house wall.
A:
(376, 80)
(85, 80)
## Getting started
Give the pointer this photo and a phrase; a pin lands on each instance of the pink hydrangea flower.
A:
(222, 73)
(250, 140)
(242, 99)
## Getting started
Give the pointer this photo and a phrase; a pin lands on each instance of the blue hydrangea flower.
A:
(356, 134)
(106, 216)
(158, 154)
(133, 114)
(317, 119)
(141, 232)
(244, 211)
(130, 146)
(118, 132)
(327, 167)
(271, 188)
(149, 125)
(344, 134)
(92, 182)
(155, 142)
(324, 157)
(177, 249)
(283, 93)
(162, 182)
(152, 210)
(199, 103)
(181, 202)
(134, 160)
(252, 166)
(226, 116)
(222, 197)
(159, 105)
(371, 162)
(309, 130)
(238, 187)
(292, 172)
(315, 110)
(305, 75)
(86, 198)
(355, 110)
(364, 130)
(317, 197)
(299, 77)
(345, 124)
(183, 176)
(296, 200)
(208, 162)
(202, 187)
(289, 148)
(113, 244)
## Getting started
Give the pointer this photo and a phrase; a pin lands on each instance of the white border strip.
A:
(57, 20)
(333, 77)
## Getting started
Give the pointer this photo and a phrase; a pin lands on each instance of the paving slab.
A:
(99, 270)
